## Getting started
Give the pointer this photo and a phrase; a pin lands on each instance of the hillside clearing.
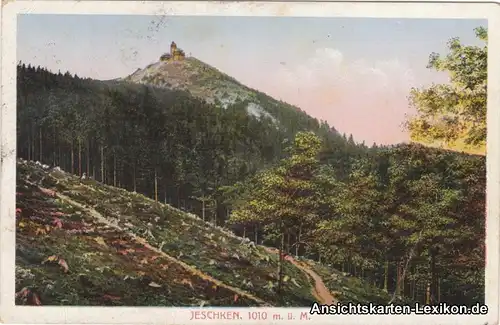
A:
(85, 243)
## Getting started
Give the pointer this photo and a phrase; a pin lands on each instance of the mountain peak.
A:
(175, 70)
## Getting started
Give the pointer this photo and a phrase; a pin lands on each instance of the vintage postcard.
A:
(250, 163)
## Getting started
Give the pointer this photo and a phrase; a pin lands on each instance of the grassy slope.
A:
(107, 266)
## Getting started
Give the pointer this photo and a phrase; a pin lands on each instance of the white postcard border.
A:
(137, 315)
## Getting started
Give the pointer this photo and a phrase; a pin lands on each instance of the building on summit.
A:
(176, 54)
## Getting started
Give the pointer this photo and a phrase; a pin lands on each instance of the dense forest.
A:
(406, 218)
(164, 143)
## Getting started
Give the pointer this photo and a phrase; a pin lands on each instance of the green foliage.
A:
(408, 206)
(403, 218)
(284, 193)
(448, 112)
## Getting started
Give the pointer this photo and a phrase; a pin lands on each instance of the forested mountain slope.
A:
(156, 141)
(405, 219)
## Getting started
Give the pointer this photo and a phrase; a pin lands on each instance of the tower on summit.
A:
(173, 48)
(176, 54)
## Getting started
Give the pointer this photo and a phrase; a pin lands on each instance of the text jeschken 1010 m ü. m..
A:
(418, 309)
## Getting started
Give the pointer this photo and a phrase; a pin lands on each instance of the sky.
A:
(354, 73)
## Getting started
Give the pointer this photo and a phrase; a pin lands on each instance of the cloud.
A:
(367, 98)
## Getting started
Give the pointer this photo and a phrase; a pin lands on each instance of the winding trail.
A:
(319, 290)
(100, 218)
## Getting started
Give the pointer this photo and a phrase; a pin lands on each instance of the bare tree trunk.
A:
(297, 247)
(33, 147)
(410, 257)
(412, 289)
(386, 275)
(428, 294)
(398, 278)
(33, 144)
(434, 285)
(54, 148)
(439, 290)
(402, 290)
(29, 147)
(79, 157)
(114, 170)
(88, 157)
(203, 209)
(41, 148)
(72, 158)
(134, 177)
(102, 165)
(288, 242)
(156, 187)
(281, 260)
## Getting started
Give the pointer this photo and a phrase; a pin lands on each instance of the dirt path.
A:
(99, 217)
(319, 291)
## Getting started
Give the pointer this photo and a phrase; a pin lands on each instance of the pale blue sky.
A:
(353, 72)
